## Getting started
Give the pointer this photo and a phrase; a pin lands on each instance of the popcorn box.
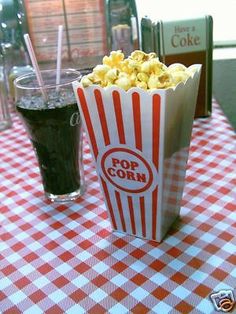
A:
(140, 142)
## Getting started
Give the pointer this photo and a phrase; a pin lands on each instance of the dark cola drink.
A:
(55, 134)
(52, 120)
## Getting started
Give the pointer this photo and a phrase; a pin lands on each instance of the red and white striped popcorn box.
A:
(140, 141)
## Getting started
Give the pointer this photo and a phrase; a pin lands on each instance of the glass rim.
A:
(19, 79)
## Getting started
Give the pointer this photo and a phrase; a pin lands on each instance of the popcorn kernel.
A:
(138, 55)
(152, 55)
(111, 75)
(101, 69)
(142, 77)
(86, 82)
(145, 67)
(123, 82)
(153, 81)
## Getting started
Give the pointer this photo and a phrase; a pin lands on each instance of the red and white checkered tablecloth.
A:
(65, 258)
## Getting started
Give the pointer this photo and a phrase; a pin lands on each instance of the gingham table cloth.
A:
(66, 259)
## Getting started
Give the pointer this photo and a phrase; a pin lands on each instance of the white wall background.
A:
(223, 13)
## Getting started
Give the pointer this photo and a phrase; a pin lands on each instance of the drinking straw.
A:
(35, 65)
(59, 48)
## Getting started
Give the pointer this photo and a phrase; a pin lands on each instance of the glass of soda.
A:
(52, 121)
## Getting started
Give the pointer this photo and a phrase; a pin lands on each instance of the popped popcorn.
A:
(140, 69)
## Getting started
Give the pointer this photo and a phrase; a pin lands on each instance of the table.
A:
(58, 258)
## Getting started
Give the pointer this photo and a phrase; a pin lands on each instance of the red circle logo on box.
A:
(126, 169)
